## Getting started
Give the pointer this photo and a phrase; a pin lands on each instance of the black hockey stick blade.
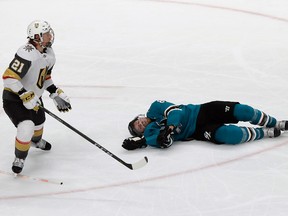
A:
(134, 166)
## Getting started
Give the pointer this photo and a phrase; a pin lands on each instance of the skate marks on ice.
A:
(30, 178)
(73, 189)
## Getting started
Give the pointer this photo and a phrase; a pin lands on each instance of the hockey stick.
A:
(133, 166)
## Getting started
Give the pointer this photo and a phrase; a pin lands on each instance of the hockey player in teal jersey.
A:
(214, 121)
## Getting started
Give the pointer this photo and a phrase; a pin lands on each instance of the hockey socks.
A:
(262, 119)
(231, 134)
(254, 116)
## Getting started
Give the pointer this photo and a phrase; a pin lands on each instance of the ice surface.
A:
(114, 58)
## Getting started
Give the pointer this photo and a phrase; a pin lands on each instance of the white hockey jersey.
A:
(30, 69)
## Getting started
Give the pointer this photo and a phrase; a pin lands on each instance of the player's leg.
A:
(257, 117)
(217, 112)
(232, 134)
(22, 120)
(37, 140)
(22, 144)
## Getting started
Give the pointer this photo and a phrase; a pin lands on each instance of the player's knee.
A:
(25, 130)
(229, 134)
(243, 112)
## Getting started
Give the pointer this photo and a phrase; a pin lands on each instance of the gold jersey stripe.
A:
(10, 74)
(10, 90)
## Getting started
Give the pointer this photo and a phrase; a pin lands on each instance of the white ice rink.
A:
(114, 58)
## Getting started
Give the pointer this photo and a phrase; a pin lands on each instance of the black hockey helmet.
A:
(132, 129)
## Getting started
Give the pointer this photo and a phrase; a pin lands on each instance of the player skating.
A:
(25, 80)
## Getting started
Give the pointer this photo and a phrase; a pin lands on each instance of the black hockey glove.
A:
(132, 143)
(164, 138)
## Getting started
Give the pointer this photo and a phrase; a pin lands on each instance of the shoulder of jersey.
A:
(28, 52)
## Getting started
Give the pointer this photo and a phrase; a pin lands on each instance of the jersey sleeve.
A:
(157, 110)
(160, 110)
(174, 115)
(48, 80)
(151, 132)
(17, 69)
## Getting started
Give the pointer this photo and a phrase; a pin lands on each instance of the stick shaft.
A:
(130, 166)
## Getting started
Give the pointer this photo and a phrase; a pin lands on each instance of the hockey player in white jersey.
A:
(25, 80)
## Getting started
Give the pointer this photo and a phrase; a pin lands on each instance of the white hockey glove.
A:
(61, 100)
(30, 100)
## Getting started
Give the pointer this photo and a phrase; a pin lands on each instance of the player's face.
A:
(141, 123)
(48, 39)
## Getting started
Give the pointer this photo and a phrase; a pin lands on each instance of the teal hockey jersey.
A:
(182, 117)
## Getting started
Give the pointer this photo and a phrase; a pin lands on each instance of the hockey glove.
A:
(164, 138)
(61, 100)
(30, 100)
(132, 143)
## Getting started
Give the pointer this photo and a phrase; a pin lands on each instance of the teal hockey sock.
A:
(231, 134)
(262, 119)
(254, 116)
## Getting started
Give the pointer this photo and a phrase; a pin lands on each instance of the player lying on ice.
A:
(214, 121)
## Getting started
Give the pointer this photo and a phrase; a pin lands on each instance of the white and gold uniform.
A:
(30, 69)
(25, 80)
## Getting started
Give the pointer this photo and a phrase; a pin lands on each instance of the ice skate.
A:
(18, 165)
(272, 132)
(42, 144)
(282, 125)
